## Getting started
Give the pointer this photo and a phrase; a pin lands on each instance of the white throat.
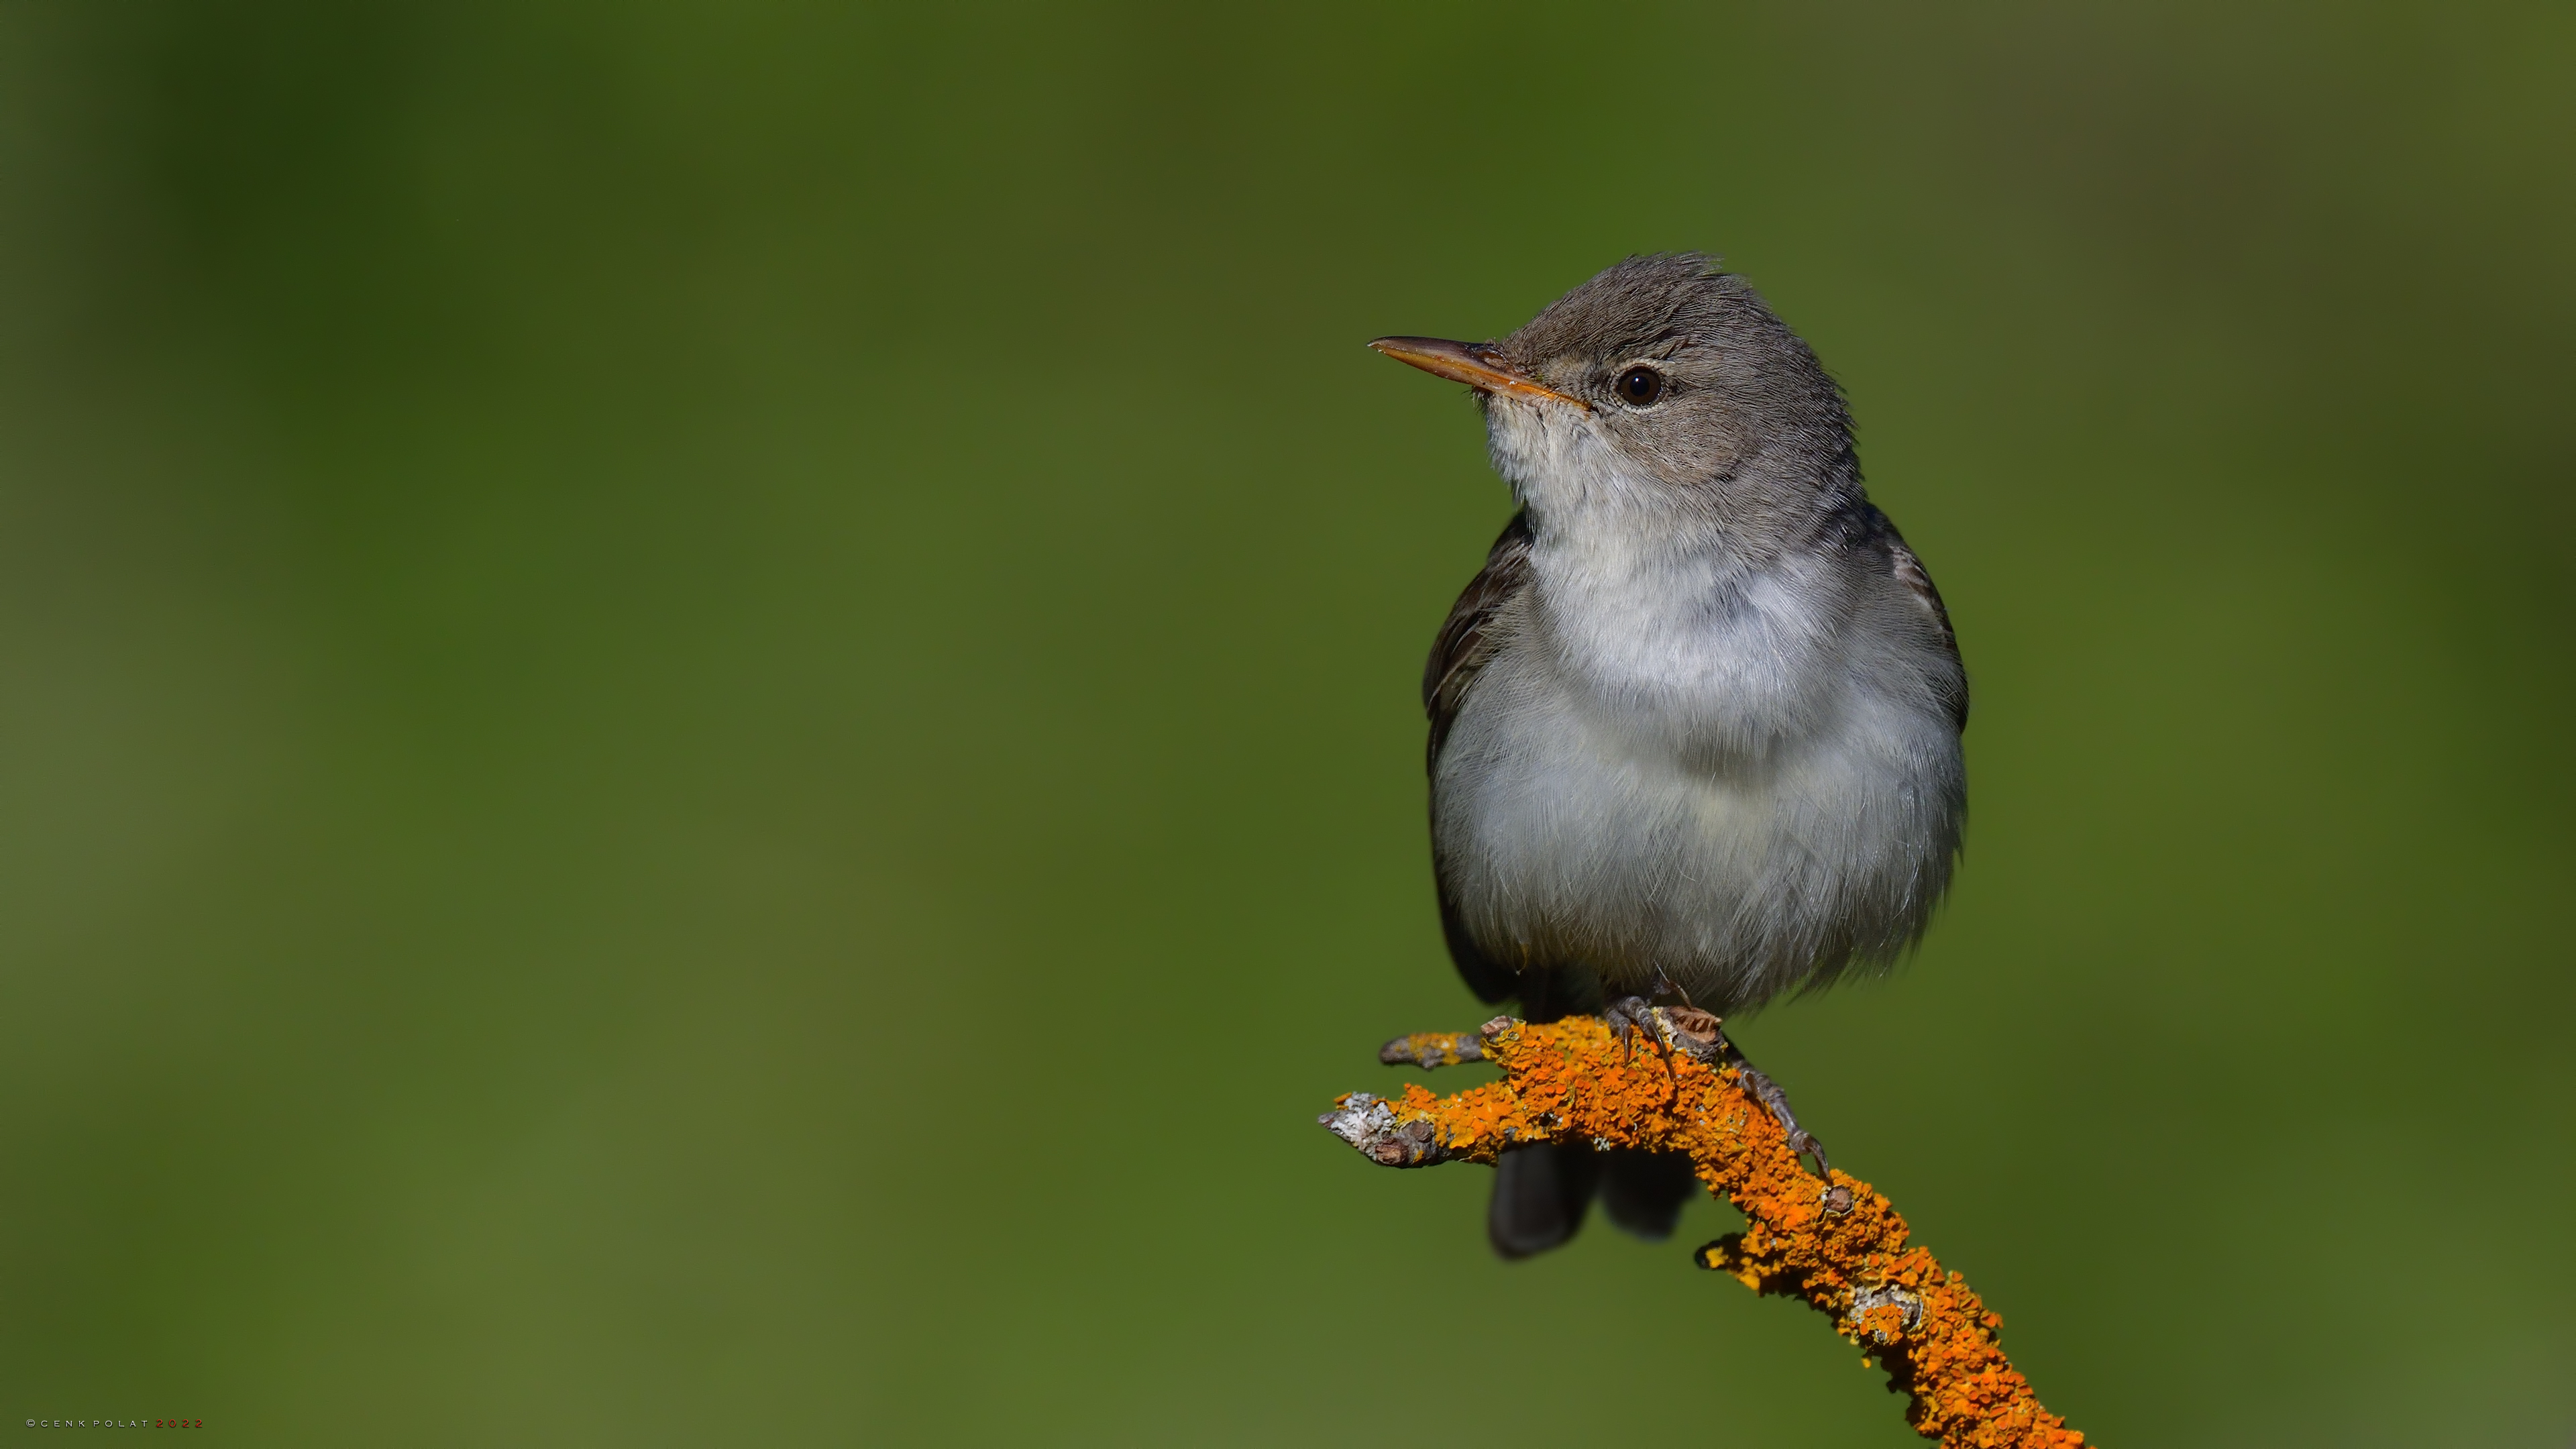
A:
(1643, 603)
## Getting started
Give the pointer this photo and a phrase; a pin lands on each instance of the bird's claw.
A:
(1768, 1093)
(1701, 1035)
(1694, 1033)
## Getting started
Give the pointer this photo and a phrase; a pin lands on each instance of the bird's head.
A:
(1662, 384)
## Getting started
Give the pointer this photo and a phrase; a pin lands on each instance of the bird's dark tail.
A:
(1540, 1195)
(1542, 1191)
(1643, 1192)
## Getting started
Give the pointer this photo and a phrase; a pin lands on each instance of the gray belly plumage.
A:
(1567, 839)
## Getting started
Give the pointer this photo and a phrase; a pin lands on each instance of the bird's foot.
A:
(1701, 1035)
(1686, 1029)
(1768, 1093)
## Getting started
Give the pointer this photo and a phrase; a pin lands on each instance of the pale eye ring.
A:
(1639, 387)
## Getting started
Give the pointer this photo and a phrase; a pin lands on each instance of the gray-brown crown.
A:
(1740, 391)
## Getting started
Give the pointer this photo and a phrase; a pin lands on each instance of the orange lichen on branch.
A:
(1667, 1084)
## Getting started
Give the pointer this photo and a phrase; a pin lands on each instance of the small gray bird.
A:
(1695, 727)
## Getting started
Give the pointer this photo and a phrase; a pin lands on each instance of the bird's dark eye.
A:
(1640, 386)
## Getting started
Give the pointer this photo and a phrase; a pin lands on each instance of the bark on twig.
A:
(1428, 1049)
(1665, 1082)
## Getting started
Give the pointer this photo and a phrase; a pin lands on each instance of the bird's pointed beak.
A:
(1480, 365)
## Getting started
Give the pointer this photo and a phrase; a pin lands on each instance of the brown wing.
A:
(1918, 582)
(1467, 640)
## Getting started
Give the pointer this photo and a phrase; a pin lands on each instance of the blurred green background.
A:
(709, 725)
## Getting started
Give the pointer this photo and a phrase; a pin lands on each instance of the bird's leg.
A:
(1667, 990)
(1659, 1020)
(1684, 1028)
(1703, 1035)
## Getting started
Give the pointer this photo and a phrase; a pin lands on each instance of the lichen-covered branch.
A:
(1433, 1049)
(1664, 1080)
